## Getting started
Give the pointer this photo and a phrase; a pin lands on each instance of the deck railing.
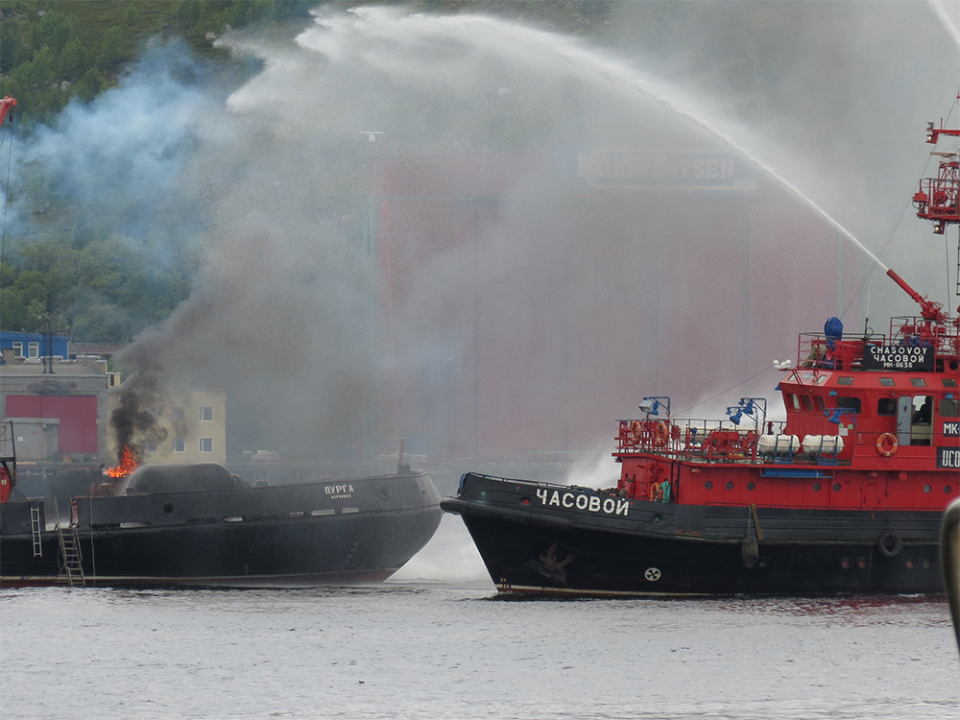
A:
(724, 442)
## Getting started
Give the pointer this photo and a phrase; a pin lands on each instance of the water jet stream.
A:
(583, 62)
(948, 24)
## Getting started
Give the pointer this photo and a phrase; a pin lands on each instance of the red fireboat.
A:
(846, 496)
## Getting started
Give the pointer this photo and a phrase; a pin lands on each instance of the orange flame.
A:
(128, 463)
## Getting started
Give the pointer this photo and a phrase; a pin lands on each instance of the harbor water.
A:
(435, 642)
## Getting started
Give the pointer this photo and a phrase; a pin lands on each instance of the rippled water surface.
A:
(435, 647)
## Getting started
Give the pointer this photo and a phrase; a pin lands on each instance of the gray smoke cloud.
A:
(351, 287)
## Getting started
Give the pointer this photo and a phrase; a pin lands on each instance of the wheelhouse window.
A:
(947, 382)
(849, 403)
(805, 403)
(889, 382)
(918, 382)
(949, 407)
(887, 406)
(845, 380)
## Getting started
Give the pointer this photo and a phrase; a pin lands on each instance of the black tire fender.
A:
(889, 545)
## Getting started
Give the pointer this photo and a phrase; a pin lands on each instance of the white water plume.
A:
(538, 50)
(475, 83)
(948, 23)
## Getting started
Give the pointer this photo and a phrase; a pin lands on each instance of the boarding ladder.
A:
(71, 561)
(36, 529)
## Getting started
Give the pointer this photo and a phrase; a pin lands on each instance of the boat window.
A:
(844, 380)
(949, 382)
(819, 401)
(887, 406)
(918, 382)
(949, 407)
(805, 402)
(796, 401)
(849, 403)
(922, 409)
(887, 381)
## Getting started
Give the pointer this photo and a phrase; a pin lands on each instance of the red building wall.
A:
(77, 415)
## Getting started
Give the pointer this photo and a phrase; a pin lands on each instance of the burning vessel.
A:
(845, 496)
(202, 526)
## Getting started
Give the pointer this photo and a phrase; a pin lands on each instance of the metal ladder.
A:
(35, 529)
(71, 561)
(71, 568)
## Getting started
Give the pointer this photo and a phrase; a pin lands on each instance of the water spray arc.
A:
(542, 47)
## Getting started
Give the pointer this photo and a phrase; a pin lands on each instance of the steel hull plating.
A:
(649, 548)
(336, 531)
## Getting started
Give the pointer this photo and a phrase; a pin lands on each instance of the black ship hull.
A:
(557, 540)
(335, 531)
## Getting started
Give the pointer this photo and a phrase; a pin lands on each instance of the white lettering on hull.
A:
(338, 492)
(582, 501)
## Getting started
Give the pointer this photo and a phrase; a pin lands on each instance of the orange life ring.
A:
(887, 444)
(661, 434)
(654, 491)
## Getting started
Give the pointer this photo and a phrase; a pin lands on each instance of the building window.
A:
(18, 349)
(33, 349)
(206, 445)
(179, 446)
(206, 413)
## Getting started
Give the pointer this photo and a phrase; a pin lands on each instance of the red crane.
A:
(5, 105)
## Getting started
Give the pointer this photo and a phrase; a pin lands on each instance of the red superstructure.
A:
(873, 422)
